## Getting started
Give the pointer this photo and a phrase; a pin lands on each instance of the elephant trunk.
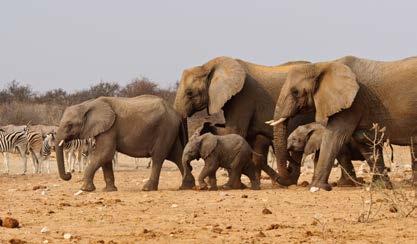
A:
(60, 161)
(285, 177)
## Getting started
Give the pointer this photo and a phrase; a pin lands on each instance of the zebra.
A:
(34, 146)
(14, 142)
(74, 150)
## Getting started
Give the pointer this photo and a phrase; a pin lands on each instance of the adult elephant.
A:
(351, 94)
(247, 94)
(143, 126)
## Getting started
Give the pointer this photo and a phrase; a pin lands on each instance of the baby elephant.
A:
(307, 138)
(231, 152)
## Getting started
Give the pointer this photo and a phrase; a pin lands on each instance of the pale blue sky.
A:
(73, 44)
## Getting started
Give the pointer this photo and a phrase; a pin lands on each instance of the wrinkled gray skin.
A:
(352, 94)
(143, 126)
(308, 138)
(231, 152)
(247, 94)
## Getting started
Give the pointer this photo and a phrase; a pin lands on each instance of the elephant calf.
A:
(231, 152)
(307, 138)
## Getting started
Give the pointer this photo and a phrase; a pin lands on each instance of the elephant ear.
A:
(98, 118)
(226, 79)
(313, 141)
(208, 144)
(336, 89)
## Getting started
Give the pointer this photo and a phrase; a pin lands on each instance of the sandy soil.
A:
(171, 216)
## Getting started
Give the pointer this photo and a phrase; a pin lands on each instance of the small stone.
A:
(16, 241)
(78, 192)
(64, 204)
(10, 222)
(37, 187)
(45, 230)
(314, 223)
(45, 241)
(228, 227)
(174, 205)
(244, 196)
(393, 209)
(67, 236)
(217, 230)
(260, 234)
(309, 233)
(304, 184)
(266, 211)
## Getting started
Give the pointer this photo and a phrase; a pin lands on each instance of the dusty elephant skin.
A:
(144, 126)
(231, 152)
(352, 94)
(247, 94)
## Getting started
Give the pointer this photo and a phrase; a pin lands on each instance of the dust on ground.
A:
(48, 210)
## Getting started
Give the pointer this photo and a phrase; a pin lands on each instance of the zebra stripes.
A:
(75, 150)
(12, 142)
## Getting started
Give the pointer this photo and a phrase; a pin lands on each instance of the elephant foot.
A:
(110, 188)
(213, 188)
(188, 184)
(88, 187)
(150, 186)
(343, 182)
(255, 187)
(314, 187)
(382, 181)
(202, 187)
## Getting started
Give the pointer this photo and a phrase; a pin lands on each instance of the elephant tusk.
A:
(277, 122)
(269, 121)
(314, 189)
(61, 143)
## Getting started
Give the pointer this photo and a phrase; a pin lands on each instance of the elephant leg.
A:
(234, 181)
(202, 185)
(152, 183)
(100, 157)
(212, 181)
(188, 180)
(348, 175)
(377, 167)
(331, 144)
(260, 146)
(108, 177)
(251, 173)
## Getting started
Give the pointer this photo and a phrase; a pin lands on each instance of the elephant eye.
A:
(189, 93)
(294, 92)
(69, 126)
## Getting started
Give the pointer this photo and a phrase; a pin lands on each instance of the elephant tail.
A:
(183, 133)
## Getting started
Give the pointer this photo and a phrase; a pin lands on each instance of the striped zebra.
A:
(75, 151)
(14, 142)
(34, 146)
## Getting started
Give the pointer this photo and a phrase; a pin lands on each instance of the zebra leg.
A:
(34, 162)
(24, 160)
(6, 162)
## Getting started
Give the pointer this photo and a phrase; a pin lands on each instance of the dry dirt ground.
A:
(171, 216)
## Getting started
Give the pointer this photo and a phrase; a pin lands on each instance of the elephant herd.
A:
(336, 103)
